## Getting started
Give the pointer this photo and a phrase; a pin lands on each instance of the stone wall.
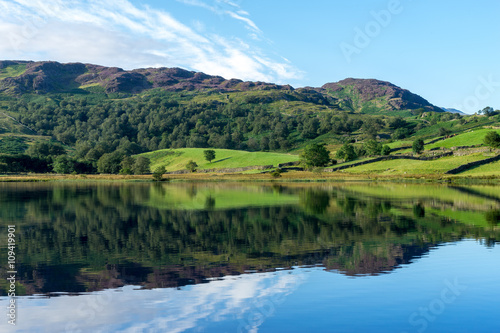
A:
(289, 164)
(223, 170)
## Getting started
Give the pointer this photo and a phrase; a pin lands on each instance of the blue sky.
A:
(445, 51)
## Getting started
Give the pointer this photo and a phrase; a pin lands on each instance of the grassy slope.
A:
(484, 170)
(415, 167)
(176, 159)
(474, 137)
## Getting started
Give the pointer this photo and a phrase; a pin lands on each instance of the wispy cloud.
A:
(228, 8)
(118, 33)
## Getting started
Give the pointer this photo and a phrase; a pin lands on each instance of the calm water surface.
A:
(252, 258)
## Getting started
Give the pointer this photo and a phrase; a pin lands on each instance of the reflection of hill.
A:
(77, 238)
(74, 279)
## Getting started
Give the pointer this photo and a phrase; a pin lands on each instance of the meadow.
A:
(176, 159)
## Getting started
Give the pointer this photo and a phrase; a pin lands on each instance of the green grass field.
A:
(176, 159)
(484, 170)
(392, 167)
(474, 137)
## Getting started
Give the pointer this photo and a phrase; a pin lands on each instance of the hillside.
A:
(19, 77)
(22, 77)
(371, 96)
(95, 114)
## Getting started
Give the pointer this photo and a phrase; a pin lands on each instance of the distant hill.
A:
(370, 95)
(17, 77)
(454, 111)
(359, 95)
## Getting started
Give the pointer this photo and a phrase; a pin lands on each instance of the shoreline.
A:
(293, 176)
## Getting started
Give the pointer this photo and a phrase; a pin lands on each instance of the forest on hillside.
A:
(86, 130)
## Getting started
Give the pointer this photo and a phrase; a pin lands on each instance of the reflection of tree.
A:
(348, 204)
(209, 203)
(418, 210)
(493, 217)
(192, 191)
(315, 201)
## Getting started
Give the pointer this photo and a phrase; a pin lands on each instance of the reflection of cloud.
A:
(117, 33)
(160, 310)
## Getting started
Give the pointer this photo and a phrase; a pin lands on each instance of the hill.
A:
(371, 96)
(19, 77)
(453, 111)
(22, 77)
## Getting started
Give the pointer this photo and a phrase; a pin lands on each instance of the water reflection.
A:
(83, 237)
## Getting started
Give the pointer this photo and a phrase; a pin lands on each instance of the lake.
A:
(234, 257)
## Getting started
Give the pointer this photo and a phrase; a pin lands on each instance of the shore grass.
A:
(294, 176)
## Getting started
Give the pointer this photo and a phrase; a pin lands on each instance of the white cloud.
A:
(249, 22)
(117, 33)
(224, 7)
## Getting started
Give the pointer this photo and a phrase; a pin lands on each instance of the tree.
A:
(400, 133)
(158, 173)
(191, 166)
(264, 143)
(45, 149)
(110, 163)
(418, 146)
(373, 147)
(492, 139)
(141, 165)
(386, 150)
(63, 165)
(443, 131)
(397, 122)
(209, 155)
(371, 127)
(487, 111)
(310, 129)
(346, 152)
(316, 155)
(126, 165)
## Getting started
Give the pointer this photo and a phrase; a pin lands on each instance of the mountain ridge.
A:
(48, 76)
(25, 77)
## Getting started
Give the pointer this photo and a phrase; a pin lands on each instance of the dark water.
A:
(252, 258)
